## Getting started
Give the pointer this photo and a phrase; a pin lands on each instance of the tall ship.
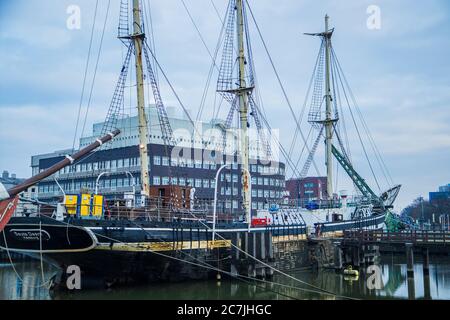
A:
(163, 230)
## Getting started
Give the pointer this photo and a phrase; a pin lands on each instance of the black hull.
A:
(368, 223)
(46, 236)
(126, 252)
(110, 268)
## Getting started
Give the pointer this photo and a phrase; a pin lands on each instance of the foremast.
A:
(243, 111)
(138, 37)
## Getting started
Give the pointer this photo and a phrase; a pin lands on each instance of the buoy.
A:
(350, 272)
(351, 278)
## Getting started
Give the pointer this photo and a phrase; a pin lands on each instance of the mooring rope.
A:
(45, 284)
(318, 289)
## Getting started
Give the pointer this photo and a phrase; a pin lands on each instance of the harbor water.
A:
(25, 280)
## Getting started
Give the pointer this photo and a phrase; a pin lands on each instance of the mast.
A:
(138, 39)
(243, 110)
(328, 120)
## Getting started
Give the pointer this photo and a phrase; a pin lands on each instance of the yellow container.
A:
(97, 206)
(71, 203)
(85, 208)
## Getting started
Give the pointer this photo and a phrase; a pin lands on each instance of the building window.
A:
(260, 182)
(126, 163)
(266, 181)
(198, 183)
(235, 191)
(235, 178)
(235, 204)
(206, 183)
(254, 180)
(254, 193)
(156, 181)
(198, 164)
(190, 182)
(260, 193)
(309, 185)
(174, 181)
(165, 161)
(157, 160)
(206, 165)
(174, 162)
(165, 180)
(266, 194)
(190, 163)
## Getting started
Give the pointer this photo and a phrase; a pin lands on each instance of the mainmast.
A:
(328, 123)
(138, 37)
(243, 110)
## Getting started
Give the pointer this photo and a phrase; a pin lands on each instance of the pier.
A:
(358, 249)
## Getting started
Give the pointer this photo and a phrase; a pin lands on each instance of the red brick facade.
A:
(310, 188)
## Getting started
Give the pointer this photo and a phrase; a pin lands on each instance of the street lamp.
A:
(249, 209)
(97, 183)
(98, 180)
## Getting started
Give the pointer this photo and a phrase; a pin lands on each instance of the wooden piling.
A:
(337, 257)
(410, 260)
(426, 262)
(235, 253)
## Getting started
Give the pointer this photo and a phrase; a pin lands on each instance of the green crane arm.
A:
(357, 179)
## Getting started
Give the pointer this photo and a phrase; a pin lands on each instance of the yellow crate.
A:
(97, 206)
(85, 210)
(71, 203)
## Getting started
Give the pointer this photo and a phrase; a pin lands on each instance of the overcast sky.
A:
(400, 73)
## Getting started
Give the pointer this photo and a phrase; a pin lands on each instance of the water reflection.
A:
(394, 285)
(24, 281)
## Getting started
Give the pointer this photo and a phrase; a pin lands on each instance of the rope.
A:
(358, 132)
(380, 160)
(208, 266)
(269, 266)
(280, 82)
(320, 290)
(96, 67)
(45, 284)
(85, 76)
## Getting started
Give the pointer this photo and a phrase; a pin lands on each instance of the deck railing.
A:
(414, 236)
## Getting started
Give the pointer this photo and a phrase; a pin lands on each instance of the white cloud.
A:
(393, 72)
